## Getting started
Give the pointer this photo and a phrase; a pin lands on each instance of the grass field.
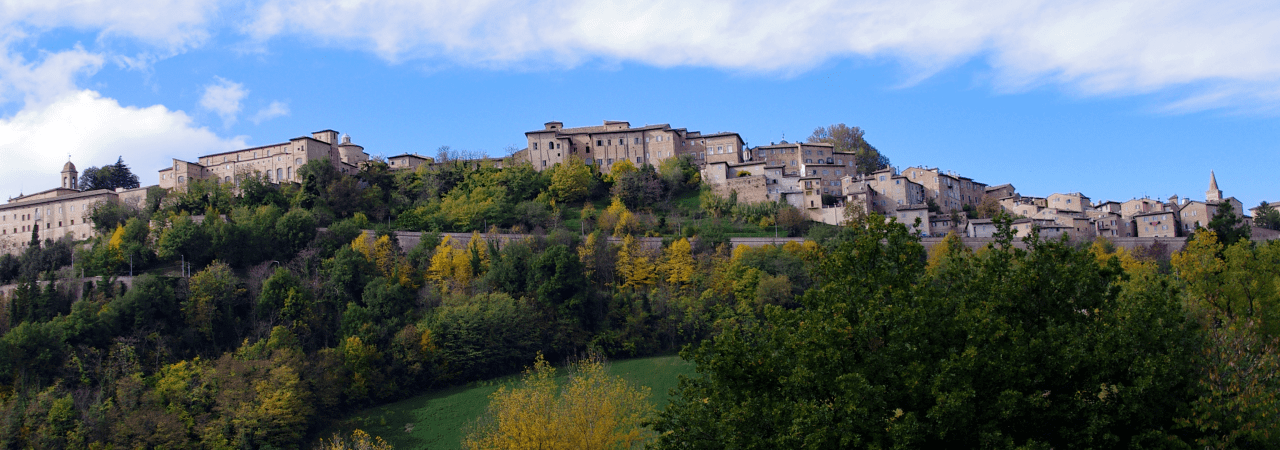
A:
(438, 418)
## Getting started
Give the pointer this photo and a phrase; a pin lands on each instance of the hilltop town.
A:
(261, 297)
(823, 181)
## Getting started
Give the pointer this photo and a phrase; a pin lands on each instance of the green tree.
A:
(183, 239)
(1009, 349)
(1229, 227)
(851, 140)
(209, 309)
(1267, 217)
(109, 177)
(295, 230)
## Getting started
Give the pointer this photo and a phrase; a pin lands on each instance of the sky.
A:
(1115, 99)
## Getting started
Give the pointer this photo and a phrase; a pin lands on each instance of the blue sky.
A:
(1113, 99)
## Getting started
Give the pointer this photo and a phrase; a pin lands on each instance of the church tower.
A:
(1213, 195)
(69, 180)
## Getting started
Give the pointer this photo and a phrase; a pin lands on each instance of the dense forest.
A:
(260, 312)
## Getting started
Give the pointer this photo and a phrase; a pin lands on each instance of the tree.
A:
(1228, 226)
(621, 168)
(591, 411)
(1010, 348)
(1267, 217)
(850, 139)
(109, 177)
(209, 307)
(989, 207)
(637, 188)
(571, 181)
(359, 440)
(295, 230)
(635, 266)
(183, 239)
(678, 265)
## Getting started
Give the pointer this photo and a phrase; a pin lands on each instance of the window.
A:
(279, 172)
(808, 161)
(897, 181)
(825, 172)
(837, 172)
(621, 141)
(599, 143)
(637, 160)
(881, 177)
(637, 141)
(182, 179)
(535, 145)
(298, 161)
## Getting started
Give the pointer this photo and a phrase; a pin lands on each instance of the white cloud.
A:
(1096, 47)
(223, 98)
(95, 130)
(58, 119)
(274, 110)
(174, 25)
(38, 82)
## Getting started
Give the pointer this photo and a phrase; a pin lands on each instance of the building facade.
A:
(615, 141)
(277, 162)
(57, 212)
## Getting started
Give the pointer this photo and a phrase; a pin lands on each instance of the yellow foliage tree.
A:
(591, 411)
(950, 247)
(441, 269)
(587, 253)
(385, 256)
(611, 215)
(738, 252)
(627, 224)
(1201, 267)
(364, 244)
(678, 265)
(621, 168)
(635, 267)
(359, 440)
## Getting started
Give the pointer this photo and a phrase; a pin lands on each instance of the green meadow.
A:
(436, 420)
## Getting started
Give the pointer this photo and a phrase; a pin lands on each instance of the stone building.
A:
(278, 162)
(1001, 191)
(614, 141)
(57, 212)
(1073, 201)
(1156, 224)
(408, 161)
(947, 189)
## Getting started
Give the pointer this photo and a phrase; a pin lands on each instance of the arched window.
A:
(279, 172)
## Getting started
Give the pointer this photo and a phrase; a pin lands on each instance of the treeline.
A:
(1050, 347)
(280, 327)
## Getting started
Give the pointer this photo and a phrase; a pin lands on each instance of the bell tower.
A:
(69, 176)
(1213, 195)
